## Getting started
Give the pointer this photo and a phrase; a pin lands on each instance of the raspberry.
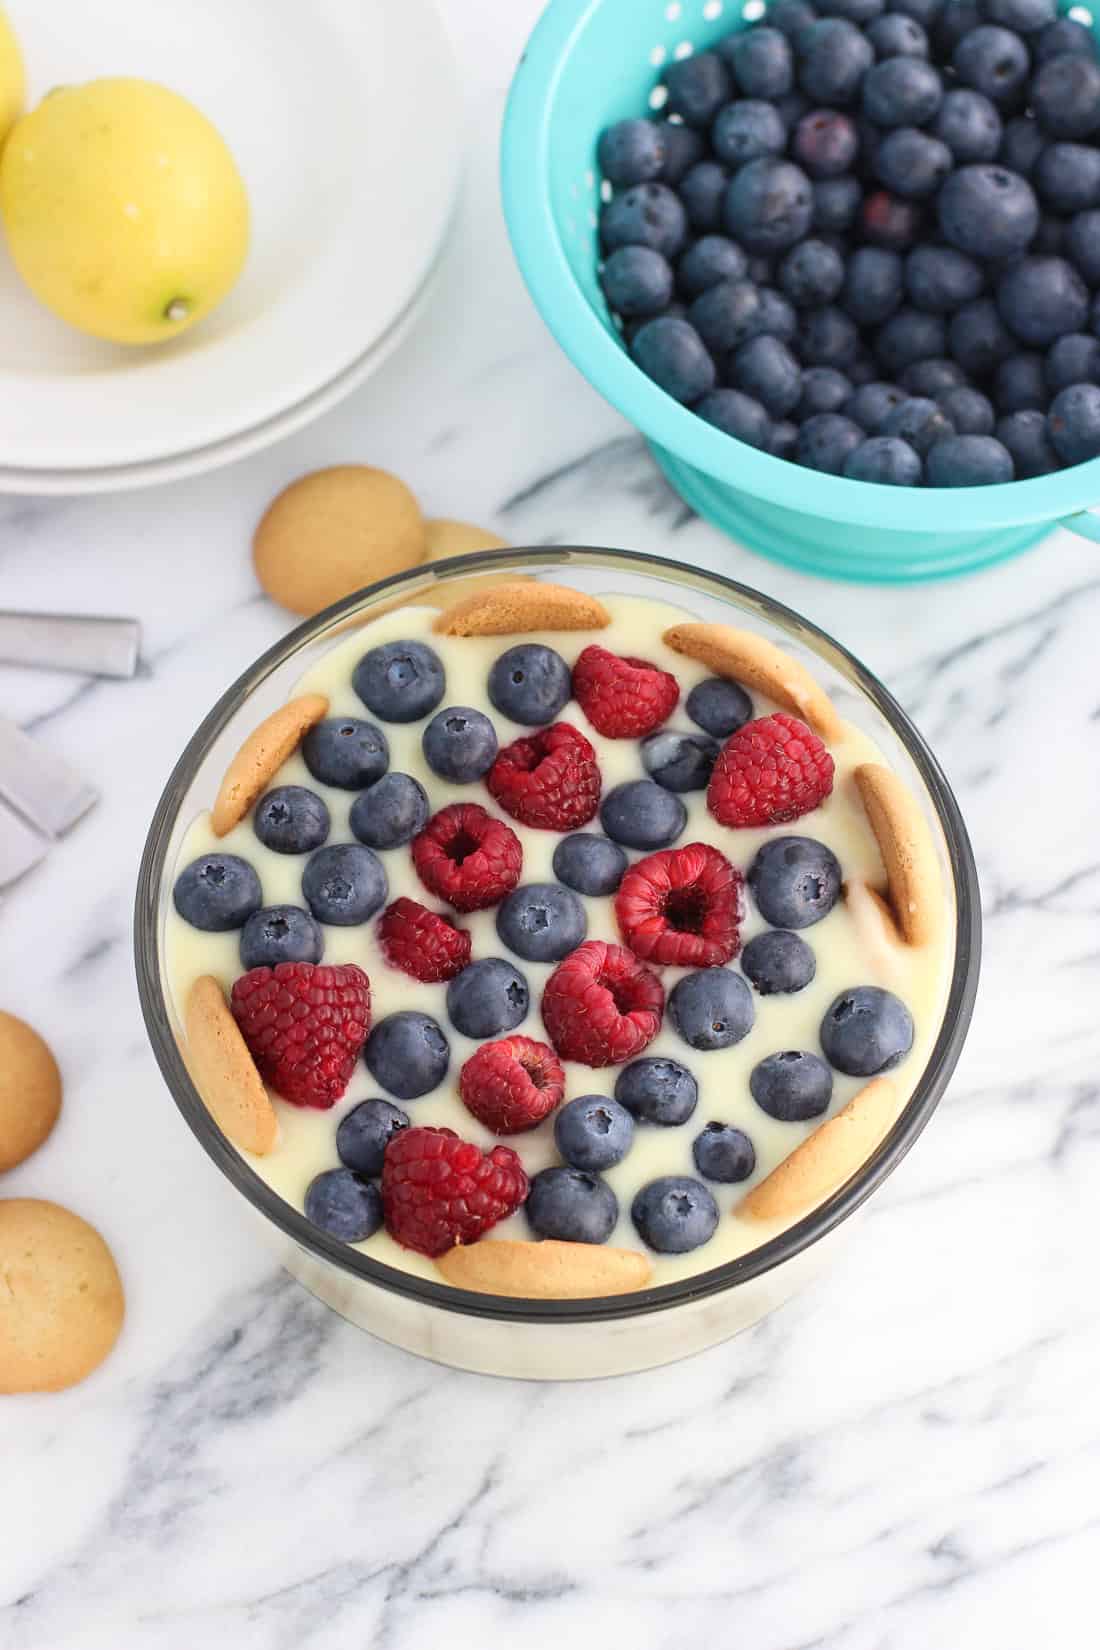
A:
(438, 1190)
(467, 857)
(548, 779)
(512, 1084)
(422, 943)
(682, 906)
(768, 772)
(305, 1025)
(600, 1006)
(623, 698)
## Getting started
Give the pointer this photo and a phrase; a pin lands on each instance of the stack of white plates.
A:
(344, 117)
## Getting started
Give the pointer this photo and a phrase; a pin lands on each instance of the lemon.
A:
(11, 78)
(124, 211)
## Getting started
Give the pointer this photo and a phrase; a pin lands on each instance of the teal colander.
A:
(591, 62)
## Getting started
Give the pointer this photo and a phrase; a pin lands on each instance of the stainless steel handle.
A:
(60, 641)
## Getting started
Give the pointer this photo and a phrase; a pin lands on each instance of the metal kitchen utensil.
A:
(41, 797)
(88, 645)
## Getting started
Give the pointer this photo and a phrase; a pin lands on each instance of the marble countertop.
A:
(905, 1457)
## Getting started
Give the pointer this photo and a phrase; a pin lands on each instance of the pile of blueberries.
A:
(865, 236)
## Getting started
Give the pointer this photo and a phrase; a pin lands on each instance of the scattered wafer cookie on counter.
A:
(30, 1091)
(61, 1298)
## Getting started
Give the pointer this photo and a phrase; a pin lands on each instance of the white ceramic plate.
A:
(343, 117)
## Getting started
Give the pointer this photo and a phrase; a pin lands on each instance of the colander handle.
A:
(1084, 524)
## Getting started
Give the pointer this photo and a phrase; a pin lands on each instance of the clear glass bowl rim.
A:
(151, 886)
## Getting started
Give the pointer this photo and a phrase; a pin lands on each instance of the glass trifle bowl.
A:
(774, 1219)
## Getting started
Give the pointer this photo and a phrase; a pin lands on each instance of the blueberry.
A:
(459, 744)
(968, 461)
(541, 921)
(711, 1008)
(988, 211)
(969, 125)
(680, 761)
(391, 812)
(280, 933)
(488, 998)
(1082, 244)
(636, 281)
(593, 1132)
(978, 338)
(400, 681)
(792, 1086)
(1067, 177)
(824, 389)
(873, 286)
(783, 440)
(697, 88)
(871, 404)
(889, 221)
(795, 881)
(683, 149)
(1074, 423)
(811, 273)
(572, 1206)
(778, 962)
(530, 683)
(657, 1091)
(761, 60)
(589, 864)
(790, 17)
(1041, 298)
(931, 377)
(884, 459)
(791, 107)
(1065, 95)
(765, 369)
(1049, 237)
(723, 1153)
(707, 261)
(641, 814)
(1027, 438)
(901, 91)
(777, 316)
(407, 1054)
(895, 35)
(941, 279)
(217, 892)
(920, 422)
(631, 151)
(827, 337)
(719, 707)
(1020, 382)
(1021, 146)
(956, 18)
(826, 442)
(825, 143)
(344, 884)
(993, 61)
(836, 203)
(1023, 16)
(910, 162)
(769, 204)
(703, 193)
(856, 11)
(833, 57)
(1072, 359)
(747, 129)
(364, 1133)
(632, 324)
(674, 1214)
(671, 352)
(291, 820)
(1060, 37)
(736, 414)
(909, 335)
(967, 409)
(346, 752)
(650, 215)
(863, 370)
(866, 1030)
(344, 1205)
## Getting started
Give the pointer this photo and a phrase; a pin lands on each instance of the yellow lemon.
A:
(11, 78)
(124, 211)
